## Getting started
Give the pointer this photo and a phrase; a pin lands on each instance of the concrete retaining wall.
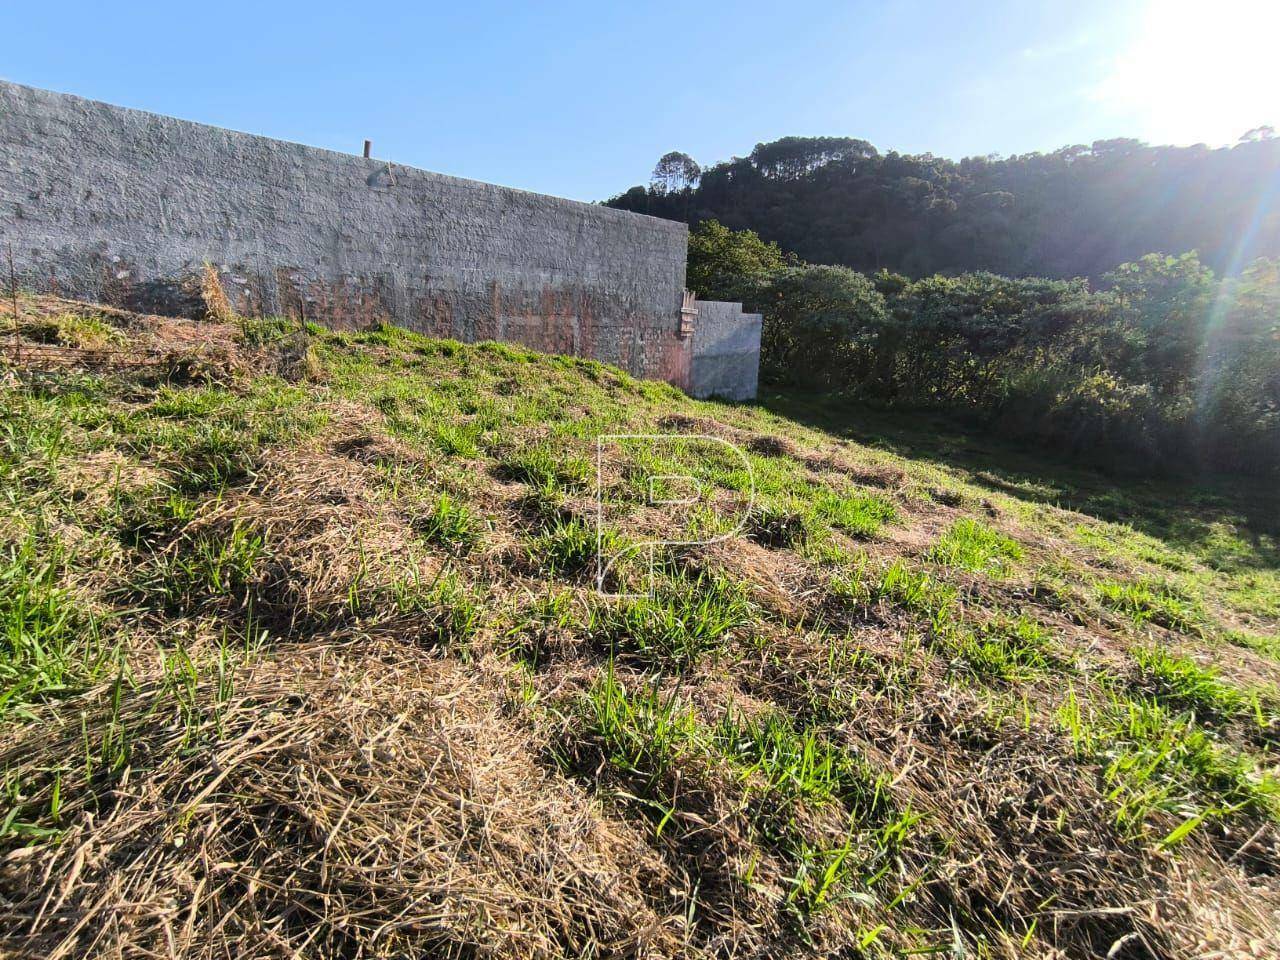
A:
(124, 206)
(726, 351)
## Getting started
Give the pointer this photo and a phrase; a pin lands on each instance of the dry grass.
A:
(216, 305)
(329, 543)
(333, 802)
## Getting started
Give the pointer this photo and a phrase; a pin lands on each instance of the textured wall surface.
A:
(104, 202)
(726, 351)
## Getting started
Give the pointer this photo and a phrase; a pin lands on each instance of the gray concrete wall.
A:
(104, 202)
(726, 351)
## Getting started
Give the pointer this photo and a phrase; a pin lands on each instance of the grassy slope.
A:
(302, 654)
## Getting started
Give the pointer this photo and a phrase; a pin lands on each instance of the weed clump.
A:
(776, 527)
(568, 545)
(542, 467)
(449, 523)
(1181, 682)
(916, 591)
(50, 644)
(1161, 764)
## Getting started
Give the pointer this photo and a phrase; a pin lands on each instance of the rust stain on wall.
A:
(674, 356)
(434, 317)
(586, 324)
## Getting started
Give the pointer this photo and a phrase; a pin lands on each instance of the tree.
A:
(728, 265)
(1166, 367)
(820, 326)
(675, 171)
(793, 157)
(1167, 303)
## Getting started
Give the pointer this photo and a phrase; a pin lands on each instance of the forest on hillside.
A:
(1076, 212)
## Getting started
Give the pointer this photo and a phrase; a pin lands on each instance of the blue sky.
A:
(579, 99)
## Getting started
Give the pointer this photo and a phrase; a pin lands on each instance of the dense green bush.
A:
(1161, 365)
(824, 323)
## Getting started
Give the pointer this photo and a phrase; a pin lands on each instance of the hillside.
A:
(1075, 212)
(302, 657)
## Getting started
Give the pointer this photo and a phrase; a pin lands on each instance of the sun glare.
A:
(1199, 72)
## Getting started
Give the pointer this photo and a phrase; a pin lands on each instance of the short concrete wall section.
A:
(726, 351)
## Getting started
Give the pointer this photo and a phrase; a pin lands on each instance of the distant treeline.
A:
(1160, 365)
(1075, 212)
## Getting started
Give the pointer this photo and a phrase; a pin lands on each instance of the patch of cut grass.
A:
(774, 526)
(705, 523)
(1159, 761)
(850, 583)
(85, 331)
(565, 545)
(50, 644)
(1009, 649)
(506, 351)
(458, 439)
(1268, 646)
(1255, 592)
(654, 737)
(971, 545)
(648, 735)
(685, 620)
(444, 611)
(916, 591)
(260, 331)
(31, 446)
(795, 765)
(1117, 541)
(824, 872)
(644, 731)
(569, 544)
(826, 552)
(793, 769)
(782, 787)
(209, 565)
(534, 625)
(858, 515)
(144, 517)
(209, 437)
(542, 467)
(645, 467)
(1148, 601)
(1181, 682)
